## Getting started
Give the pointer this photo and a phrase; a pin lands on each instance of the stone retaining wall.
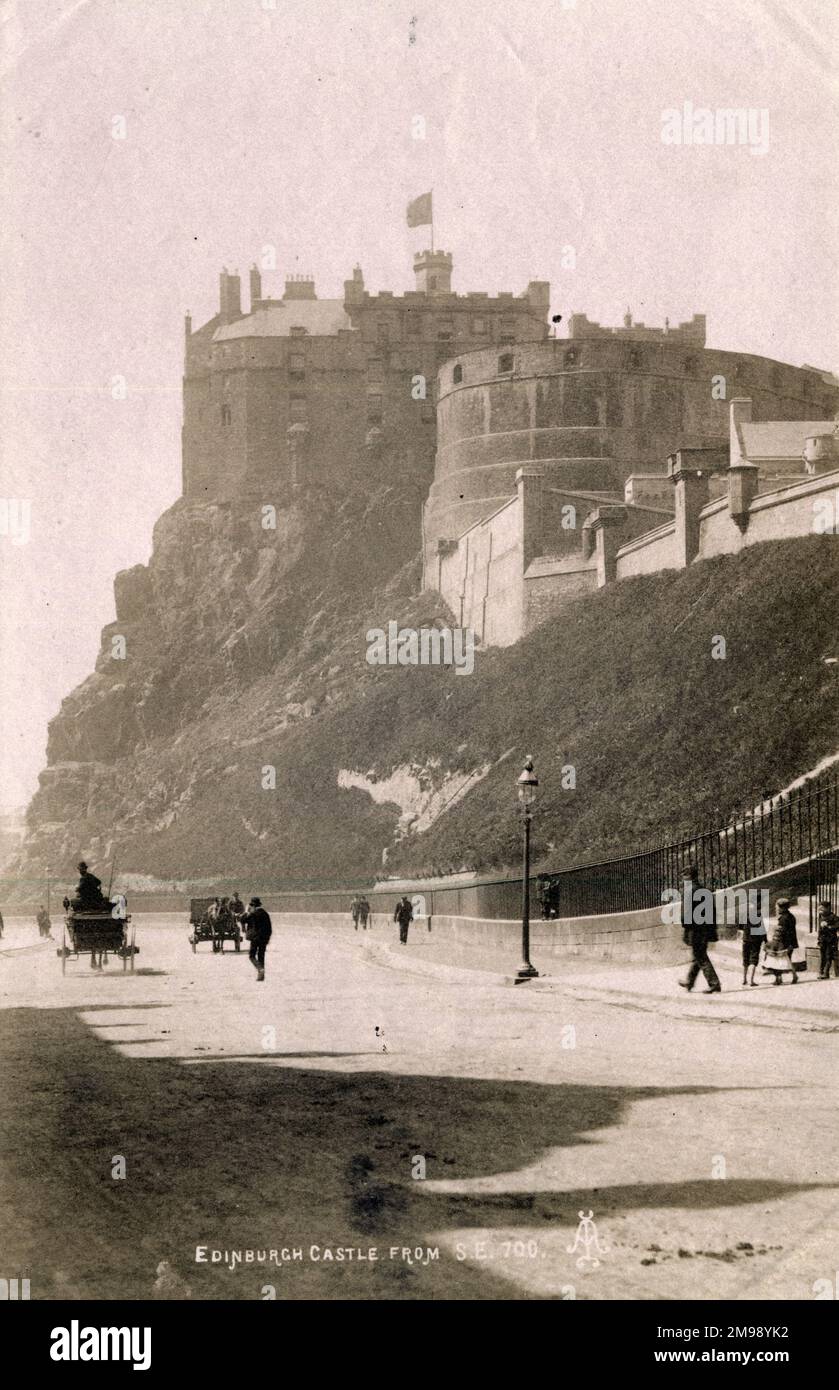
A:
(629, 936)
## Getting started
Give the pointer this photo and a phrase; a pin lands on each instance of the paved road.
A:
(276, 1116)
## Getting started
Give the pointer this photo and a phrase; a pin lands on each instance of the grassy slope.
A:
(622, 685)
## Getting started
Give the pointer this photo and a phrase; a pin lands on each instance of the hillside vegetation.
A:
(622, 687)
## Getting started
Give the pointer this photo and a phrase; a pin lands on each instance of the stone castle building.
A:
(595, 413)
(564, 465)
(299, 390)
(548, 465)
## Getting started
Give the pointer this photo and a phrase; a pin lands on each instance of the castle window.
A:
(507, 338)
(413, 325)
(383, 331)
(691, 366)
(571, 357)
(297, 331)
(297, 365)
(432, 282)
(635, 360)
(297, 409)
(479, 326)
(505, 362)
(457, 374)
(374, 409)
(226, 415)
(375, 369)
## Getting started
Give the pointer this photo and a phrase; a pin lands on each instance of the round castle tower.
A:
(590, 410)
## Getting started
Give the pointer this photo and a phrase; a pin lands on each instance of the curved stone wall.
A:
(589, 412)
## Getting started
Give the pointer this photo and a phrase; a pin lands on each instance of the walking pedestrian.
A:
(699, 927)
(363, 912)
(780, 946)
(258, 932)
(354, 910)
(404, 915)
(754, 936)
(828, 939)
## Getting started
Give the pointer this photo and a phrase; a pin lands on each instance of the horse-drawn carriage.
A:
(216, 926)
(99, 932)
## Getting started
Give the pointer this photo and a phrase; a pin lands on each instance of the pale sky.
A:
(248, 125)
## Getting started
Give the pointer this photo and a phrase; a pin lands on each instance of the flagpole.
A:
(432, 219)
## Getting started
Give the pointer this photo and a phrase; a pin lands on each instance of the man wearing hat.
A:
(88, 893)
(257, 925)
(828, 939)
(699, 926)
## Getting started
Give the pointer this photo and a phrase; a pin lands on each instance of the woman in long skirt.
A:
(781, 944)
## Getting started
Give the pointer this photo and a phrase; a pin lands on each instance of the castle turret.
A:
(354, 288)
(433, 270)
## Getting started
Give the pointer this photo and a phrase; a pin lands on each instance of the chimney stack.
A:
(230, 296)
(256, 286)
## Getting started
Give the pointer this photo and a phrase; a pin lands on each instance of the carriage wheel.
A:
(238, 943)
(64, 950)
(192, 943)
(133, 952)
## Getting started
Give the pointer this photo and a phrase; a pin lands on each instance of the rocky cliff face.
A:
(243, 626)
(243, 737)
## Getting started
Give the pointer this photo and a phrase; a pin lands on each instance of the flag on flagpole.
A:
(419, 211)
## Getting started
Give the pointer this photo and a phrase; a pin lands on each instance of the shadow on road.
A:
(235, 1155)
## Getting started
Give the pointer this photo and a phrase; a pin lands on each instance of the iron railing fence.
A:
(823, 881)
(765, 834)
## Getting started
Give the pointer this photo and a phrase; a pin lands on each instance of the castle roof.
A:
(322, 318)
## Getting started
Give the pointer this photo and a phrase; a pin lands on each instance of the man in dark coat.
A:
(828, 939)
(89, 891)
(699, 926)
(404, 915)
(258, 929)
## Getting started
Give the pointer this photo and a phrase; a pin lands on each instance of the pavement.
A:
(589, 1138)
(810, 1004)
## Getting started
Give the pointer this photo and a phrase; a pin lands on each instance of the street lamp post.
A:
(527, 784)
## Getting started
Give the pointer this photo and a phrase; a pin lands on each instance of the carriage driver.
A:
(88, 893)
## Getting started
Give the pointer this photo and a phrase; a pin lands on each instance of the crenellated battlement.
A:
(692, 332)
